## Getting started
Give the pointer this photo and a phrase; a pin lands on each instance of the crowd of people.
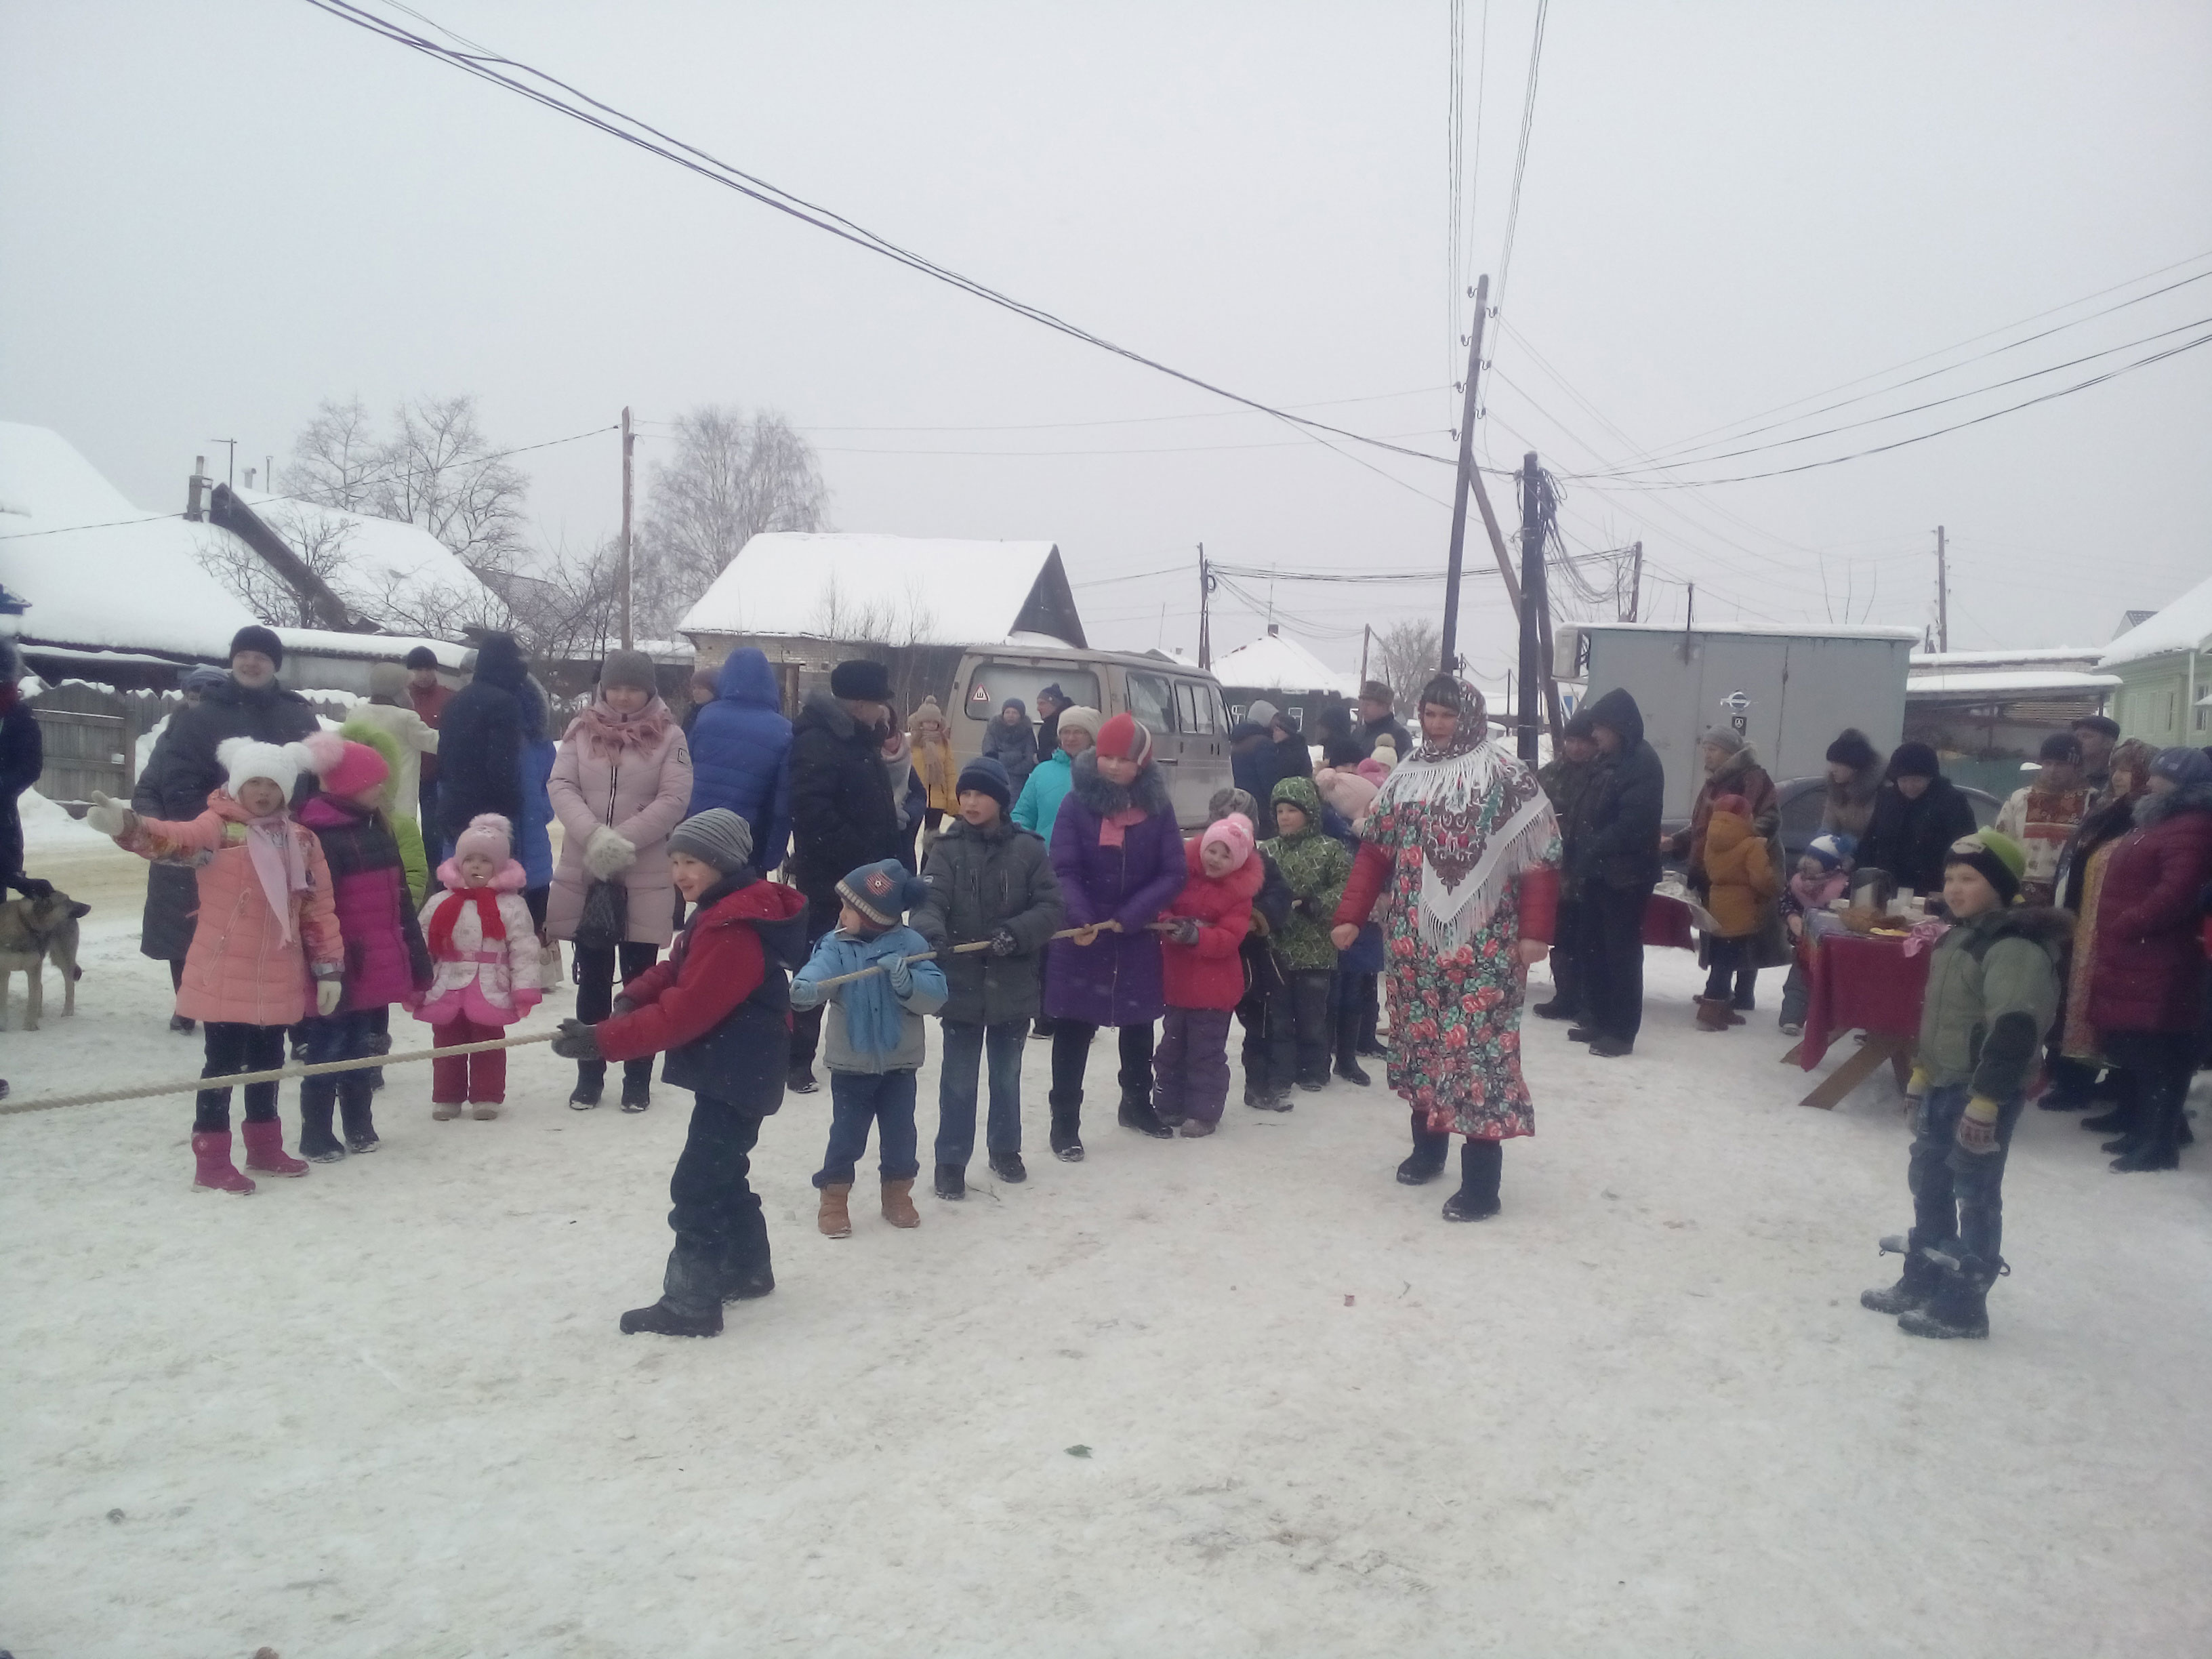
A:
(305, 881)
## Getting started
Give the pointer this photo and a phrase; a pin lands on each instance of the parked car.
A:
(1803, 797)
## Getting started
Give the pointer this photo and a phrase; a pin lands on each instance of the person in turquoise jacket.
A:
(1038, 809)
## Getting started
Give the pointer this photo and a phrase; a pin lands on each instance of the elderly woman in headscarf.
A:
(1462, 847)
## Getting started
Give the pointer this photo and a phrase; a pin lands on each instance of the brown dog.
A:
(32, 932)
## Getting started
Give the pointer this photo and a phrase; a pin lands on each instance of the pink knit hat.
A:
(489, 834)
(346, 769)
(1234, 832)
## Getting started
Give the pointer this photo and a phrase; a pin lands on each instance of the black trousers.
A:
(1612, 958)
(1299, 1030)
(595, 989)
(2159, 1066)
(232, 1049)
(1071, 1058)
(721, 1235)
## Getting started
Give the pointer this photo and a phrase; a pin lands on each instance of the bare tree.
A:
(1408, 654)
(435, 468)
(567, 609)
(321, 545)
(339, 460)
(731, 477)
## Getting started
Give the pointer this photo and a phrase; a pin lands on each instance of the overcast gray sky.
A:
(212, 215)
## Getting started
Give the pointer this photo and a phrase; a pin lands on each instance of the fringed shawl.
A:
(1472, 819)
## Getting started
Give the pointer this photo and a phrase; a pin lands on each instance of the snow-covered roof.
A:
(384, 561)
(2184, 625)
(1921, 660)
(2051, 681)
(900, 590)
(322, 642)
(1274, 662)
(132, 585)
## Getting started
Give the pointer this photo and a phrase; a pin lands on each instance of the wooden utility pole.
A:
(1467, 474)
(1636, 582)
(1533, 526)
(1942, 591)
(1497, 543)
(629, 440)
(1366, 635)
(1205, 612)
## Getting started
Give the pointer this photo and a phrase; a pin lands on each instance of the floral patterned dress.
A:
(1459, 830)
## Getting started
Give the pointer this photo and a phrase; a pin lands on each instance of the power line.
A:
(1166, 449)
(617, 124)
(1130, 420)
(1521, 157)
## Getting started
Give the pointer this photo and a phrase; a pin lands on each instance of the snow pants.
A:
(1957, 1194)
(721, 1235)
(1190, 1068)
(857, 1099)
(232, 1049)
(1300, 1033)
(467, 1079)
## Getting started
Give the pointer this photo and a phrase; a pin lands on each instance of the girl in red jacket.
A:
(1203, 973)
(720, 1007)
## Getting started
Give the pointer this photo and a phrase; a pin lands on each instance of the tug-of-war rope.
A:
(240, 1079)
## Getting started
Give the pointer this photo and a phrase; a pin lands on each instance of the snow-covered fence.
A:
(91, 736)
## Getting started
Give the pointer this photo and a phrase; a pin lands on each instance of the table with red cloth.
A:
(1667, 923)
(1861, 984)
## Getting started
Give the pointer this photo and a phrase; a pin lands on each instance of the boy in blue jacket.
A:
(874, 1039)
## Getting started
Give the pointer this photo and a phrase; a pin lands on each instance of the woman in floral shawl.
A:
(1462, 849)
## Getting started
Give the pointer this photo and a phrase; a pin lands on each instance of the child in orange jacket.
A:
(1743, 882)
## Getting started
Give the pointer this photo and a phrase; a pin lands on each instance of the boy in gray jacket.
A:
(873, 1040)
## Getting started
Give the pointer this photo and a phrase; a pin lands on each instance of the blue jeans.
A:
(856, 1100)
(965, 1047)
(1958, 1194)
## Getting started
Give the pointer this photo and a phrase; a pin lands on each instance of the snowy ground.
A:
(383, 1410)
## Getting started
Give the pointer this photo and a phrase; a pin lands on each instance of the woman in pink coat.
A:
(620, 782)
(266, 923)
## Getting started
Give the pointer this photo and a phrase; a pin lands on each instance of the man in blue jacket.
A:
(741, 754)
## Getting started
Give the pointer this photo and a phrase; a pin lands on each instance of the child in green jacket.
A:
(1300, 1030)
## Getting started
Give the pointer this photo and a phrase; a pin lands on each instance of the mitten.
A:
(329, 993)
(1916, 1087)
(1186, 930)
(624, 1005)
(33, 887)
(900, 972)
(1003, 944)
(805, 994)
(110, 818)
(607, 854)
(1977, 1126)
(577, 1040)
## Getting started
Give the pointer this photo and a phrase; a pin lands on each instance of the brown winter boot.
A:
(898, 1204)
(1712, 1014)
(834, 1220)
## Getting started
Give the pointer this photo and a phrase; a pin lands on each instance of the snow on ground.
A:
(383, 1410)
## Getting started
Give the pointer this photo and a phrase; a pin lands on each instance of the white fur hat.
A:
(241, 758)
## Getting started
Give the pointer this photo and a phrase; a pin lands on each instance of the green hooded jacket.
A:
(1992, 993)
(1317, 866)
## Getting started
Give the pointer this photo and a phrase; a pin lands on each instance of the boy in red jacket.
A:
(1203, 973)
(720, 1008)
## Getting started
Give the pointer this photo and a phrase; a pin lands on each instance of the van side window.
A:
(1151, 702)
(1194, 705)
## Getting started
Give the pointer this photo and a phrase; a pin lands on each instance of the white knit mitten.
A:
(607, 854)
(110, 818)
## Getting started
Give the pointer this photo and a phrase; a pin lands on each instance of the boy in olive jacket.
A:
(1992, 993)
(1315, 865)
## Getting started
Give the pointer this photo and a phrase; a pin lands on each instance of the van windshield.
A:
(993, 683)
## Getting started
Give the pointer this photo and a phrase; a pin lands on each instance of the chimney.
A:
(192, 489)
(249, 477)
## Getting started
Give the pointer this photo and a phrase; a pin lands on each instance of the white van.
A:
(1181, 706)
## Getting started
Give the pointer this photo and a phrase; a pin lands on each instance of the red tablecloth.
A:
(1861, 985)
(1666, 922)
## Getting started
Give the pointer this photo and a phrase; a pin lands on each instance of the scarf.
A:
(457, 899)
(1114, 826)
(610, 733)
(279, 863)
(1475, 820)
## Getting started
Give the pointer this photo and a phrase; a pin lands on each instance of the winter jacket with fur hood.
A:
(2148, 975)
(630, 776)
(1992, 993)
(1211, 973)
(843, 814)
(982, 880)
(486, 982)
(740, 748)
(240, 968)
(1115, 980)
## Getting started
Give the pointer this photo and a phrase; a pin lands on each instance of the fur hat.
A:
(861, 681)
(1852, 749)
(346, 767)
(1915, 760)
(630, 668)
(716, 836)
(986, 775)
(1831, 851)
(243, 759)
(489, 834)
(1082, 718)
(1124, 738)
(421, 657)
(386, 682)
(1234, 832)
(883, 892)
(254, 637)
(1997, 858)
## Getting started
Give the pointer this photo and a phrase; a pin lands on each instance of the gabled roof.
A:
(133, 585)
(384, 560)
(889, 590)
(1274, 662)
(2184, 625)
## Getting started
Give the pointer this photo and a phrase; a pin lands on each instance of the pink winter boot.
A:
(265, 1149)
(213, 1171)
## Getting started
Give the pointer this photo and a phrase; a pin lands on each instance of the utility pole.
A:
(629, 441)
(1943, 595)
(1533, 523)
(1366, 634)
(1205, 612)
(233, 442)
(1636, 580)
(1467, 472)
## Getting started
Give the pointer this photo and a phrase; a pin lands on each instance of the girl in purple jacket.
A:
(386, 960)
(1119, 856)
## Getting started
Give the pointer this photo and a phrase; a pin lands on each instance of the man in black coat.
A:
(842, 812)
(1617, 867)
(1918, 813)
(1378, 718)
(183, 771)
(23, 758)
(481, 735)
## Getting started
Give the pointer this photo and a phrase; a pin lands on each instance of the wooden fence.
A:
(91, 734)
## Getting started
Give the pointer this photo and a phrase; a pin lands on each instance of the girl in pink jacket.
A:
(267, 930)
(483, 958)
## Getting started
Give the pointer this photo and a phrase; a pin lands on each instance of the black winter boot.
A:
(1136, 1113)
(1348, 1047)
(356, 1104)
(1067, 1133)
(591, 1080)
(952, 1181)
(1371, 1018)
(1427, 1162)
(1009, 1168)
(1916, 1286)
(637, 1088)
(1959, 1307)
(661, 1320)
(1480, 1163)
(2157, 1144)
(318, 1103)
(744, 1282)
